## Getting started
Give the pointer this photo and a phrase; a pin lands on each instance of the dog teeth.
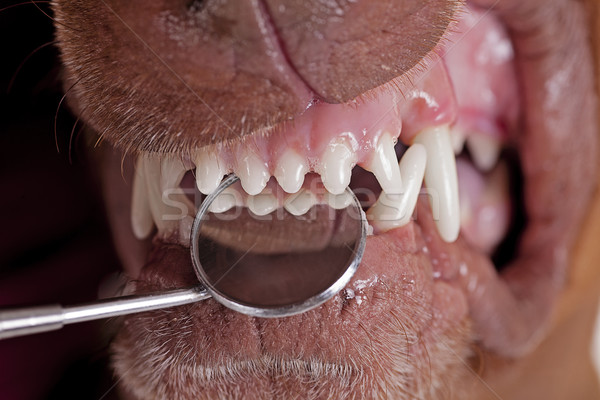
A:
(384, 165)
(336, 166)
(442, 181)
(393, 210)
(171, 173)
(253, 173)
(263, 203)
(141, 215)
(458, 138)
(226, 200)
(299, 203)
(339, 201)
(168, 204)
(209, 171)
(485, 151)
(290, 171)
(157, 197)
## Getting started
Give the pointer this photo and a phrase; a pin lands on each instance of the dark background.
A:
(54, 241)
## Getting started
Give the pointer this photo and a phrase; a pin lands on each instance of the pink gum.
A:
(430, 102)
(360, 123)
(480, 61)
(472, 88)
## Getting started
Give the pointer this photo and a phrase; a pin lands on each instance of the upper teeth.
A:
(157, 196)
(336, 167)
(394, 209)
(384, 165)
(441, 179)
(253, 172)
(209, 171)
(290, 171)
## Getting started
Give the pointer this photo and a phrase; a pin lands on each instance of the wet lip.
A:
(509, 311)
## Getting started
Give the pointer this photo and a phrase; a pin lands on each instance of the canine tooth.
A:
(225, 201)
(141, 215)
(395, 209)
(336, 166)
(384, 165)
(171, 173)
(300, 202)
(441, 178)
(152, 171)
(253, 173)
(262, 204)
(339, 201)
(290, 171)
(209, 171)
(458, 139)
(185, 229)
(485, 151)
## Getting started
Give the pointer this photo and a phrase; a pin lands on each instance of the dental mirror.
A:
(254, 265)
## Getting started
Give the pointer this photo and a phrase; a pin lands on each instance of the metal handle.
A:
(27, 321)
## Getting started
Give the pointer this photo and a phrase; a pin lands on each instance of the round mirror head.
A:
(278, 264)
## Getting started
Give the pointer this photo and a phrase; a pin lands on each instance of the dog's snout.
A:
(344, 48)
(213, 70)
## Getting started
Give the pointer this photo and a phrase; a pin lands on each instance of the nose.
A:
(343, 48)
(192, 73)
(332, 51)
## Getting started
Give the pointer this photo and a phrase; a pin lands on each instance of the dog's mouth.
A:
(501, 130)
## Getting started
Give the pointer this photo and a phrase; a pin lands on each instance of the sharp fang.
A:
(141, 215)
(171, 173)
(485, 151)
(384, 165)
(152, 172)
(185, 229)
(395, 210)
(458, 139)
(226, 200)
(339, 201)
(336, 167)
(441, 180)
(253, 173)
(300, 202)
(290, 171)
(209, 171)
(262, 204)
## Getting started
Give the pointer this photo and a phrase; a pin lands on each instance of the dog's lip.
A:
(396, 274)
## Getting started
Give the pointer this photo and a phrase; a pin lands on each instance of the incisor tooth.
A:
(253, 173)
(485, 151)
(384, 165)
(226, 200)
(263, 203)
(339, 201)
(441, 180)
(141, 215)
(209, 171)
(299, 203)
(395, 210)
(336, 166)
(290, 171)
